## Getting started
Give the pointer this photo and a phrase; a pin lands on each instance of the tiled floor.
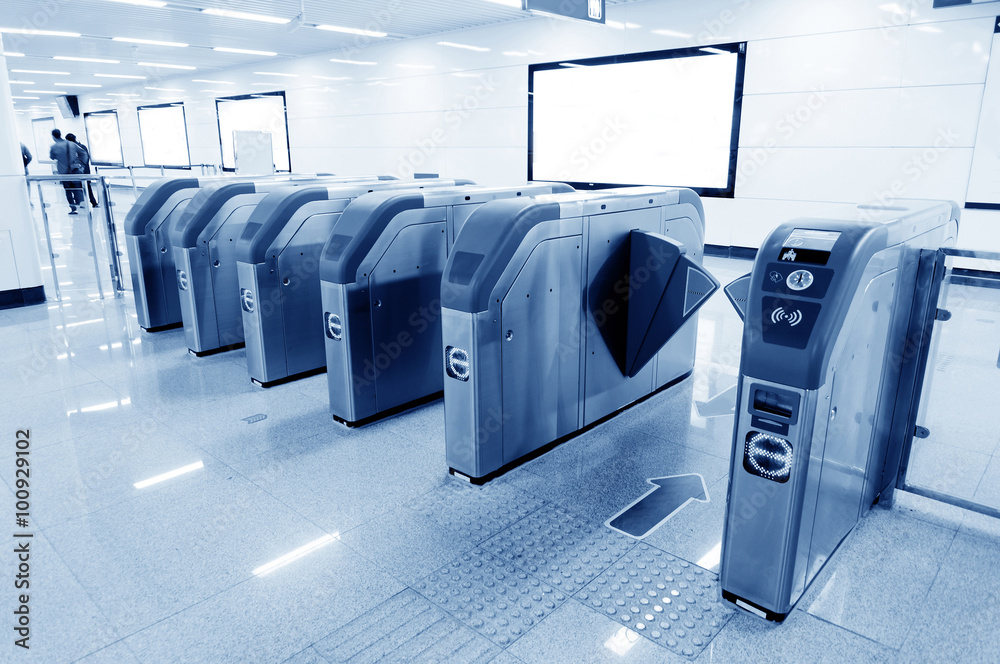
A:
(411, 564)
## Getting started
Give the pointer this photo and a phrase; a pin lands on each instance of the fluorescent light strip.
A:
(16, 82)
(353, 62)
(124, 94)
(245, 51)
(47, 92)
(275, 73)
(12, 54)
(79, 85)
(106, 406)
(514, 4)
(160, 65)
(205, 80)
(148, 87)
(73, 58)
(130, 76)
(152, 42)
(352, 31)
(39, 71)
(39, 33)
(293, 555)
(197, 465)
(467, 47)
(142, 3)
(228, 13)
(19, 97)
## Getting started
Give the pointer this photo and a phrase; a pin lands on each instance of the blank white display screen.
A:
(652, 122)
(163, 134)
(104, 139)
(41, 129)
(265, 113)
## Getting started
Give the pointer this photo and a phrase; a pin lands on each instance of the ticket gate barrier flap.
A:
(526, 360)
(204, 243)
(381, 289)
(826, 311)
(278, 264)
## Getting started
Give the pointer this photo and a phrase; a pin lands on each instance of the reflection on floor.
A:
(181, 514)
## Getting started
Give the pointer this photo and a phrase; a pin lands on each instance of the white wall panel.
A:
(719, 220)
(855, 174)
(980, 229)
(839, 61)
(8, 266)
(864, 118)
(753, 219)
(925, 114)
(948, 53)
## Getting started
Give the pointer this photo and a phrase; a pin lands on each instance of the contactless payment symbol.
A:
(781, 316)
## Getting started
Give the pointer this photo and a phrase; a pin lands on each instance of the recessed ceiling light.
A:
(39, 71)
(152, 42)
(137, 78)
(39, 33)
(124, 94)
(275, 73)
(352, 31)
(228, 13)
(12, 54)
(245, 51)
(468, 47)
(47, 92)
(16, 97)
(165, 66)
(76, 59)
(79, 85)
(206, 80)
(149, 87)
(352, 62)
(14, 82)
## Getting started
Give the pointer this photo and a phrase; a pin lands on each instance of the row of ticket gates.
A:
(538, 311)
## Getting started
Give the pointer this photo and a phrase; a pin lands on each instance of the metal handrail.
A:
(104, 199)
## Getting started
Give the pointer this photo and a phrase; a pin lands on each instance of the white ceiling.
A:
(98, 21)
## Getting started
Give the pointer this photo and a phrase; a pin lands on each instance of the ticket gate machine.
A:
(278, 255)
(203, 247)
(561, 311)
(827, 313)
(147, 230)
(380, 278)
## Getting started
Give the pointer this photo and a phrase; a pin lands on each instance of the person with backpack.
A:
(85, 163)
(68, 159)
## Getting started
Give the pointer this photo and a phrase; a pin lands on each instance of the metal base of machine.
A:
(755, 609)
(410, 405)
(162, 328)
(214, 351)
(479, 481)
(289, 379)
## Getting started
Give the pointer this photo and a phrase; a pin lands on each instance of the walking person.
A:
(68, 161)
(86, 165)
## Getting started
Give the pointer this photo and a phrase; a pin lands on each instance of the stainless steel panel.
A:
(406, 336)
(762, 516)
(541, 327)
(261, 318)
(855, 400)
(194, 281)
(473, 409)
(342, 382)
(300, 300)
(606, 388)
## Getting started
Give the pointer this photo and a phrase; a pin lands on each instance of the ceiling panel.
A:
(98, 21)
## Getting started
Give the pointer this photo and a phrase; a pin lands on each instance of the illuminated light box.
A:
(668, 118)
